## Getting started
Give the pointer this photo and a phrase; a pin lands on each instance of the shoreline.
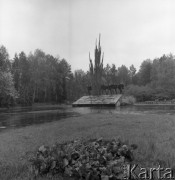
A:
(144, 104)
(37, 105)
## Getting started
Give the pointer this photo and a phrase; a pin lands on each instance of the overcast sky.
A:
(131, 30)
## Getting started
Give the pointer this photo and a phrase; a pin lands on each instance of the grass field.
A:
(154, 135)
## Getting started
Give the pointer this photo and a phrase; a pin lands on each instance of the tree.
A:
(80, 81)
(144, 73)
(8, 94)
(65, 71)
(123, 75)
(25, 88)
(106, 74)
(16, 72)
(4, 59)
(163, 75)
(113, 74)
(132, 72)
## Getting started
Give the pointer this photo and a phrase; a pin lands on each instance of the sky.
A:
(131, 30)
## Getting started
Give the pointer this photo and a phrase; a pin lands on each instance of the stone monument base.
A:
(102, 100)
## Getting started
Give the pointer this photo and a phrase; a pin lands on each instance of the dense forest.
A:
(42, 78)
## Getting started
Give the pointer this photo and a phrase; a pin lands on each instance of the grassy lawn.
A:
(154, 135)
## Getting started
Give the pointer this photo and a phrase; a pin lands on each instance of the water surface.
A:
(25, 116)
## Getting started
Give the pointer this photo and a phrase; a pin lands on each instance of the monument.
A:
(96, 88)
(96, 70)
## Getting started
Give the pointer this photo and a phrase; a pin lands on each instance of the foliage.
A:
(7, 90)
(163, 75)
(145, 72)
(79, 83)
(155, 79)
(110, 74)
(132, 72)
(128, 100)
(8, 94)
(40, 77)
(4, 59)
(92, 159)
(124, 75)
(141, 93)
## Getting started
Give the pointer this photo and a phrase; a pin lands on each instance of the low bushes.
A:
(141, 93)
(148, 93)
(92, 159)
(128, 100)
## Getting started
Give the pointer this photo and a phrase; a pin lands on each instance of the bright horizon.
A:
(131, 30)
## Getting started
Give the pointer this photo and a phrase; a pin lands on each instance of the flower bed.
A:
(92, 159)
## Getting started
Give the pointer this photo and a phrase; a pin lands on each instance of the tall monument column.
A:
(96, 70)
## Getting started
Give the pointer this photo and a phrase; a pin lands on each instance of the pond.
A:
(25, 116)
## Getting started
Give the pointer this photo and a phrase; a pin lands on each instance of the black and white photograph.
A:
(87, 89)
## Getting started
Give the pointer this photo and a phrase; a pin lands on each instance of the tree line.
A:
(41, 78)
(155, 79)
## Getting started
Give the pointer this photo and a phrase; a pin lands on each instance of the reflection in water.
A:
(27, 116)
(24, 116)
